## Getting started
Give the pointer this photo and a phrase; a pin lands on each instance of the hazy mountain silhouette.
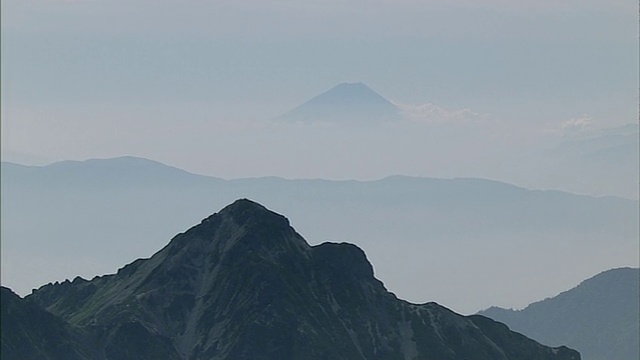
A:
(125, 171)
(597, 157)
(344, 103)
(600, 317)
(243, 284)
(86, 218)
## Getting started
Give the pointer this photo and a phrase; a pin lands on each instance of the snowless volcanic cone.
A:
(344, 103)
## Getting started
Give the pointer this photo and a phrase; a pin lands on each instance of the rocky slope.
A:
(29, 332)
(244, 285)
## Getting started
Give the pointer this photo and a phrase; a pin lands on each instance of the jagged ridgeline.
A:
(244, 285)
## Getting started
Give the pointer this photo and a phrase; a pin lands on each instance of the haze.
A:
(540, 94)
(188, 83)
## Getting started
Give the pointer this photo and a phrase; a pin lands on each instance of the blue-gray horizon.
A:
(539, 94)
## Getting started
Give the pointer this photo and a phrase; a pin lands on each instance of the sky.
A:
(175, 80)
(489, 87)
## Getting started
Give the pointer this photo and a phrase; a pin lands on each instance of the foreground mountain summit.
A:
(244, 285)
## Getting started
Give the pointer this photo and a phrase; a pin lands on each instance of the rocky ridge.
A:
(244, 285)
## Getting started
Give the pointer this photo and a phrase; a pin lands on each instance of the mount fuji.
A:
(344, 103)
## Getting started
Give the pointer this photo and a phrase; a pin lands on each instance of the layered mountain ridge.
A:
(112, 211)
(599, 317)
(243, 284)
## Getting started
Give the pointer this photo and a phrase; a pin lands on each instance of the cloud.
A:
(579, 122)
(574, 126)
(431, 113)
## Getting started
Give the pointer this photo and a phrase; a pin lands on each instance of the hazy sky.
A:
(487, 87)
(194, 83)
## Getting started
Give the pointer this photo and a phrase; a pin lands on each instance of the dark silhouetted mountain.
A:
(344, 103)
(243, 284)
(112, 211)
(600, 317)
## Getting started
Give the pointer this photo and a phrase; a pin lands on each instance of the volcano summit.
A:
(344, 103)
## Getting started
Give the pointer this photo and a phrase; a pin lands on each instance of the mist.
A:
(541, 95)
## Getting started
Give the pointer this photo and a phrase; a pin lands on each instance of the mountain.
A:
(597, 157)
(600, 317)
(112, 211)
(9, 155)
(125, 171)
(29, 332)
(344, 103)
(243, 284)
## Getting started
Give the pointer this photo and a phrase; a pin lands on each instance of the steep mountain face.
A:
(599, 317)
(344, 103)
(244, 285)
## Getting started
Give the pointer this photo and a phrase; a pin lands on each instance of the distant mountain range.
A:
(344, 103)
(600, 317)
(605, 162)
(86, 218)
(243, 284)
(351, 131)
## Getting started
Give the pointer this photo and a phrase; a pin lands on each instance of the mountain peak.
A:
(244, 285)
(245, 210)
(244, 215)
(243, 231)
(354, 86)
(345, 102)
